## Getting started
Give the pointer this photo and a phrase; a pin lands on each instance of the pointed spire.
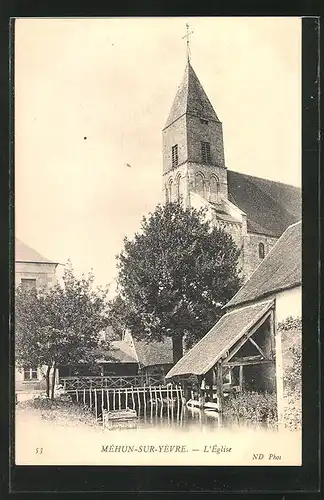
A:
(191, 99)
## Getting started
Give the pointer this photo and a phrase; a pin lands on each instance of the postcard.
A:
(158, 241)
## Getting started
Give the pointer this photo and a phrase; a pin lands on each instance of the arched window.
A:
(170, 189)
(178, 187)
(214, 187)
(261, 250)
(200, 184)
(166, 189)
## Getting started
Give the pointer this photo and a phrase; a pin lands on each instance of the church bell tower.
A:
(193, 150)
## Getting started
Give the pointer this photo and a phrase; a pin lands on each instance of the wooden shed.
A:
(243, 350)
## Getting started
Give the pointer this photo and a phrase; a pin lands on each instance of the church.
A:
(253, 210)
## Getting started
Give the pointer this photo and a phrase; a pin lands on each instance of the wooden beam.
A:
(253, 342)
(219, 385)
(247, 335)
(248, 360)
(241, 378)
(279, 374)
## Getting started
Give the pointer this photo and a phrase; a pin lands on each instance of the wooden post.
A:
(107, 392)
(219, 378)
(114, 402)
(144, 399)
(90, 398)
(139, 398)
(156, 397)
(279, 372)
(77, 395)
(162, 396)
(96, 403)
(84, 396)
(133, 400)
(102, 403)
(126, 405)
(151, 395)
(119, 399)
(241, 378)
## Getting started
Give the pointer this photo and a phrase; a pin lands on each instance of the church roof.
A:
(24, 253)
(191, 98)
(281, 269)
(270, 206)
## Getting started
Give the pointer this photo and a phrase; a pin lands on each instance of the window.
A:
(178, 181)
(213, 189)
(28, 283)
(205, 122)
(175, 155)
(170, 190)
(261, 250)
(200, 184)
(205, 152)
(30, 373)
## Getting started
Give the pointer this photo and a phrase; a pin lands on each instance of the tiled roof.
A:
(154, 353)
(270, 206)
(227, 331)
(281, 269)
(119, 352)
(24, 253)
(191, 98)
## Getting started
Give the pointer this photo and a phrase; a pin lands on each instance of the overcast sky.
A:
(93, 94)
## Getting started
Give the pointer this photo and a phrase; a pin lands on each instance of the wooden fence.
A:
(109, 382)
(136, 398)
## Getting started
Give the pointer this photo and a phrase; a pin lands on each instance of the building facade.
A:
(254, 211)
(32, 270)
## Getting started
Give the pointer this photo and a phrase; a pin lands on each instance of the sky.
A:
(92, 95)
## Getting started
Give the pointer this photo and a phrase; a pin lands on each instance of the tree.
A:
(59, 325)
(175, 276)
(117, 313)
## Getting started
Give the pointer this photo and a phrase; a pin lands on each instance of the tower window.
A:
(261, 250)
(205, 152)
(175, 155)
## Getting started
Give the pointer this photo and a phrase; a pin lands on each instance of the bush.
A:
(251, 407)
(291, 330)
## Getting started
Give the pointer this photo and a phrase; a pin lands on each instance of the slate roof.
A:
(270, 206)
(191, 98)
(227, 331)
(281, 269)
(154, 353)
(24, 253)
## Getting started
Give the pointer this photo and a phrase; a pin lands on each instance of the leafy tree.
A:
(59, 325)
(117, 313)
(175, 276)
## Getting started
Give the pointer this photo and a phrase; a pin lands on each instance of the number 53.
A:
(39, 451)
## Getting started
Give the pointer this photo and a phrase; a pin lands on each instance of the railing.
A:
(108, 382)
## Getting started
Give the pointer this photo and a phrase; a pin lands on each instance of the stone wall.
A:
(174, 134)
(198, 131)
(251, 258)
(43, 272)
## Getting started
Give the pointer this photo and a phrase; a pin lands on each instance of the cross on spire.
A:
(187, 35)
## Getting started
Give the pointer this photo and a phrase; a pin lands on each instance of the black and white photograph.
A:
(158, 241)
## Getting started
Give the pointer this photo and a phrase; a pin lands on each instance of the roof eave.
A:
(260, 297)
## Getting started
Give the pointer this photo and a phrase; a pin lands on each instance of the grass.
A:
(59, 412)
